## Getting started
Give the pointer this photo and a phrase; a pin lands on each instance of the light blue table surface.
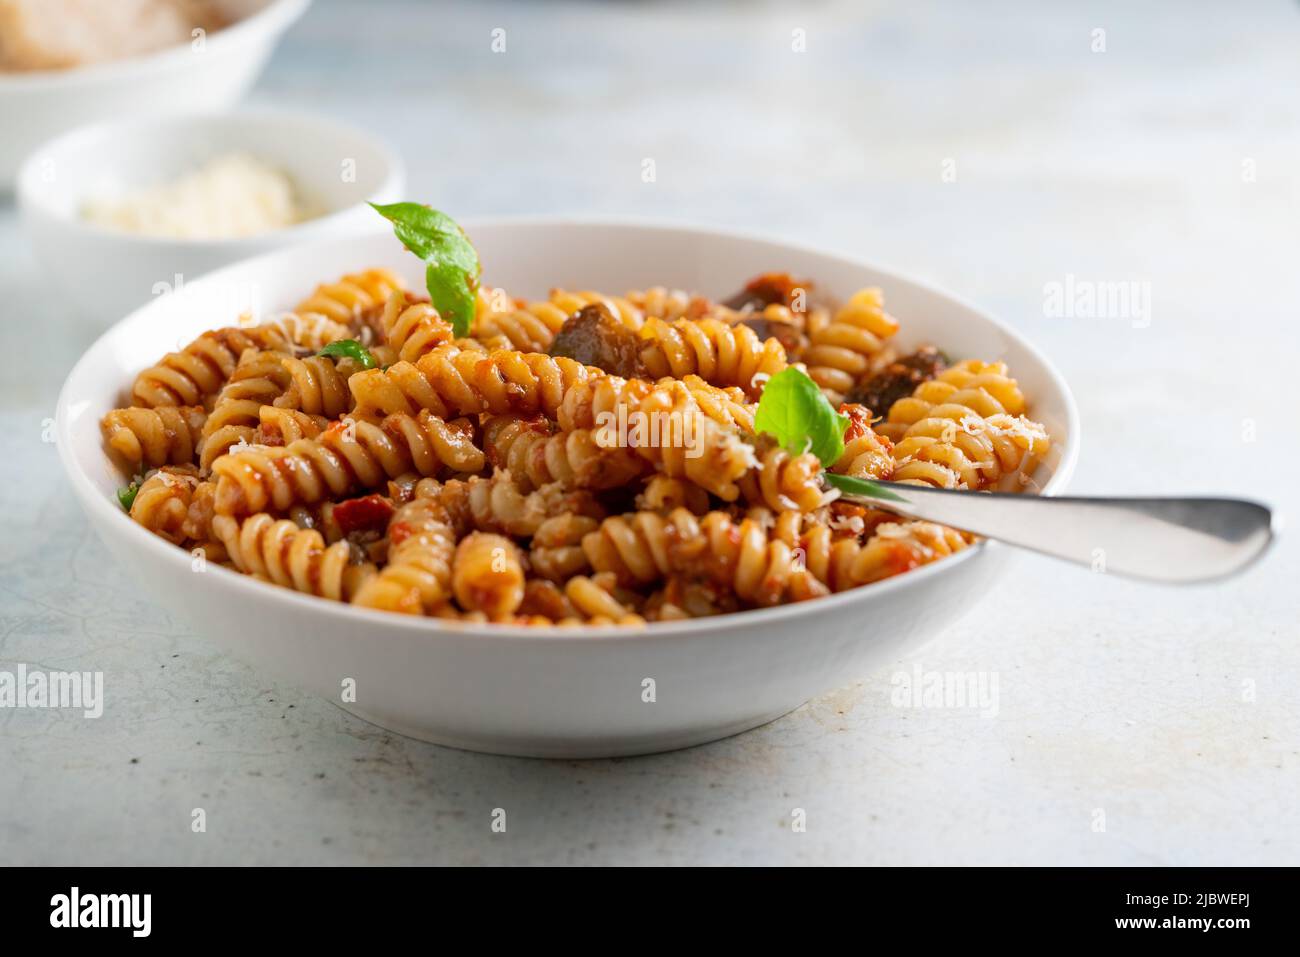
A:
(1172, 159)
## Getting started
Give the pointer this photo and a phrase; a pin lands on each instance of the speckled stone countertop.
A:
(992, 149)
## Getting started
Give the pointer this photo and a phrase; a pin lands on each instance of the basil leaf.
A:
(859, 486)
(452, 270)
(126, 496)
(794, 412)
(350, 349)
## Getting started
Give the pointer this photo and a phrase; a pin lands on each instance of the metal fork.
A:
(1175, 540)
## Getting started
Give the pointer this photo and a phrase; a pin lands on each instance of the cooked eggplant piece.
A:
(594, 337)
(898, 379)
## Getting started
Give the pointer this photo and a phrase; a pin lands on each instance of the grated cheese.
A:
(230, 196)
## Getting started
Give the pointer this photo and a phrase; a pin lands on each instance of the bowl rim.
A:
(427, 627)
(30, 197)
(273, 19)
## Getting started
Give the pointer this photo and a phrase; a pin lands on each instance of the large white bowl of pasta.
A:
(564, 597)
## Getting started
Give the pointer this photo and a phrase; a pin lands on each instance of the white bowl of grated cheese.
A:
(143, 206)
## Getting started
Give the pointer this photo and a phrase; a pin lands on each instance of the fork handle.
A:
(1176, 540)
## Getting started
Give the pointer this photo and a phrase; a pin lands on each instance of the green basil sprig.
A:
(860, 486)
(795, 412)
(349, 349)
(126, 495)
(452, 267)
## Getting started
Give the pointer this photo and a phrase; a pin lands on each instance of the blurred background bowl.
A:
(337, 168)
(36, 106)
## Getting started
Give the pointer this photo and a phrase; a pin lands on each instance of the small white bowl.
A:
(564, 692)
(338, 167)
(37, 106)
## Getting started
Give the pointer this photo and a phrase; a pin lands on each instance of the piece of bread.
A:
(59, 34)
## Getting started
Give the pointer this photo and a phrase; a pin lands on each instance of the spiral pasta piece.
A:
(964, 429)
(663, 494)
(530, 327)
(598, 400)
(488, 575)
(348, 456)
(163, 501)
(782, 481)
(536, 455)
(196, 374)
(412, 327)
(298, 558)
(866, 454)
(640, 549)
(727, 405)
(760, 567)
(983, 388)
(597, 604)
(688, 596)
(948, 451)
(355, 299)
(659, 302)
(197, 526)
(310, 331)
(147, 438)
(277, 426)
(662, 423)
(497, 504)
(421, 549)
(720, 354)
(259, 379)
(896, 547)
(708, 454)
(556, 550)
(840, 351)
(545, 603)
(317, 385)
(451, 381)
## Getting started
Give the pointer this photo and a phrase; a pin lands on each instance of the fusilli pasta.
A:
(417, 577)
(348, 456)
(162, 502)
(720, 354)
(147, 438)
(298, 558)
(840, 350)
(487, 575)
(485, 479)
(452, 381)
(964, 429)
(354, 299)
(412, 327)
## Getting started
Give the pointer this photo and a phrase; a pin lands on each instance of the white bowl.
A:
(36, 106)
(561, 692)
(117, 271)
